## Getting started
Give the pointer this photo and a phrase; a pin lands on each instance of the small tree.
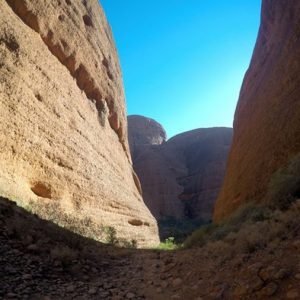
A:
(111, 235)
(284, 186)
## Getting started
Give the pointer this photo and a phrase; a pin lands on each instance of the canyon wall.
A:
(181, 177)
(63, 129)
(267, 122)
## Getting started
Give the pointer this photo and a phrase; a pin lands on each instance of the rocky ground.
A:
(42, 261)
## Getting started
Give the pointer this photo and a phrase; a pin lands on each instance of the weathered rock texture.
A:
(63, 136)
(267, 123)
(180, 178)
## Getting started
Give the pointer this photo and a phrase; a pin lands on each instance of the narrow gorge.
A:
(86, 191)
(180, 177)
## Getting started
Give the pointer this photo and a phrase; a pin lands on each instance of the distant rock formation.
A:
(180, 177)
(63, 127)
(143, 132)
(267, 118)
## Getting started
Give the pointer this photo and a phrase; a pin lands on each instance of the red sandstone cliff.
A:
(180, 177)
(63, 129)
(267, 118)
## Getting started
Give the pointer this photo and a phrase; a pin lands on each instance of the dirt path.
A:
(39, 260)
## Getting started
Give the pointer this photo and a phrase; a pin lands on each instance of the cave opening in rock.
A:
(135, 222)
(42, 190)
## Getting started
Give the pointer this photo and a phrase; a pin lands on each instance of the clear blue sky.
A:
(183, 61)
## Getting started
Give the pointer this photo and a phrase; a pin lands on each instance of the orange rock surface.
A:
(63, 128)
(267, 119)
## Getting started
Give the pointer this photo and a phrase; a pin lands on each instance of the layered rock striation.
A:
(267, 123)
(63, 135)
(180, 177)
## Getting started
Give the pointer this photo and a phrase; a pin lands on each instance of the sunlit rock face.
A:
(180, 177)
(267, 122)
(63, 121)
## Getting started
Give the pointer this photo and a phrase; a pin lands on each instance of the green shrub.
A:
(133, 244)
(179, 229)
(111, 238)
(249, 227)
(284, 186)
(169, 244)
(249, 214)
(127, 244)
(52, 212)
(82, 226)
(200, 236)
(111, 235)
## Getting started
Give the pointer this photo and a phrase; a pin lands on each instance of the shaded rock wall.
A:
(180, 178)
(267, 123)
(63, 136)
(143, 132)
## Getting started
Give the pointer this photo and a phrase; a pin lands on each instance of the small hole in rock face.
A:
(42, 190)
(87, 20)
(61, 18)
(135, 222)
(39, 97)
(68, 2)
(106, 64)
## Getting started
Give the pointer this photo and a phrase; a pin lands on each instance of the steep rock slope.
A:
(180, 178)
(64, 149)
(267, 123)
